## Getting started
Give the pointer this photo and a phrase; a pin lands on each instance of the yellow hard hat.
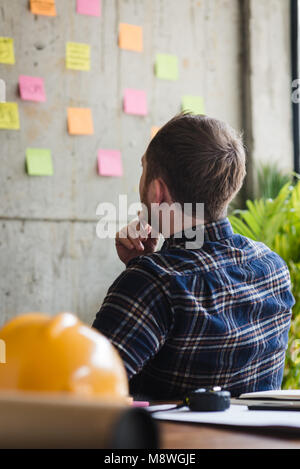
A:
(60, 354)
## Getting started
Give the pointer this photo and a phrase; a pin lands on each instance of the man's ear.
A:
(159, 192)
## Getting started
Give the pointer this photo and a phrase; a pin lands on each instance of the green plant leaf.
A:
(276, 223)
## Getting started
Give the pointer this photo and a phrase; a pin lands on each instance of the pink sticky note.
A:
(110, 163)
(32, 88)
(89, 7)
(135, 102)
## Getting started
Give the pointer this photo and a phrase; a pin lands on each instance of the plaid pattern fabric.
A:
(217, 316)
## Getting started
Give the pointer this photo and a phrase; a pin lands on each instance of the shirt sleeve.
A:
(136, 316)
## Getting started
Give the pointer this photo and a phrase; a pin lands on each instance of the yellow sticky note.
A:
(131, 37)
(80, 121)
(9, 116)
(154, 130)
(7, 54)
(78, 56)
(43, 7)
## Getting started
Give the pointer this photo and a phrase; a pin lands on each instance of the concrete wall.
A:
(267, 105)
(50, 257)
(271, 81)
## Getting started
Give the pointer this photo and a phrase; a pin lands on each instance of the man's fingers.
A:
(129, 243)
(136, 235)
(136, 230)
(124, 242)
(137, 243)
(144, 225)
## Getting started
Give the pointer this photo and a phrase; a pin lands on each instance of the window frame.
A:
(295, 53)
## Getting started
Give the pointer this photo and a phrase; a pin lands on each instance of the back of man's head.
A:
(201, 159)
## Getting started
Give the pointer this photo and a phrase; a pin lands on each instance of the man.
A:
(214, 315)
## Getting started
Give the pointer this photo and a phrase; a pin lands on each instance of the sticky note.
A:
(166, 67)
(131, 37)
(78, 56)
(32, 88)
(7, 54)
(39, 162)
(43, 7)
(2, 91)
(110, 163)
(135, 102)
(154, 130)
(9, 116)
(89, 7)
(80, 121)
(193, 104)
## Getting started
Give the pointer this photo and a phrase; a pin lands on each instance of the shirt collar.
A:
(212, 232)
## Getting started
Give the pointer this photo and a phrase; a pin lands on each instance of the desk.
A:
(196, 436)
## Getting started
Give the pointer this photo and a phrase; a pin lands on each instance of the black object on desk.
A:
(203, 400)
(208, 400)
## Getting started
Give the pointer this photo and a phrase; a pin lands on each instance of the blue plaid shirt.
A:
(217, 316)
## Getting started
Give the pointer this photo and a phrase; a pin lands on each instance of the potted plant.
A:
(276, 222)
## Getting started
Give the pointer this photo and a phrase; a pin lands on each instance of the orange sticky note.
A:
(80, 121)
(131, 37)
(154, 130)
(43, 7)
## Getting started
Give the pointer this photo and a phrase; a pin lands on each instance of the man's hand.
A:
(135, 240)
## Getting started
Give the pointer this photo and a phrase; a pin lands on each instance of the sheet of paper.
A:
(2, 91)
(193, 104)
(80, 121)
(154, 130)
(43, 7)
(9, 116)
(32, 88)
(110, 163)
(161, 407)
(135, 102)
(78, 56)
(166, 67)
(7, 54)
(39, 162)
(89, 7)
(131, 37)
(236, 415)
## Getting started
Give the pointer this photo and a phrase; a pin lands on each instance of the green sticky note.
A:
(193, 104)
(166, 67)
(39, 162)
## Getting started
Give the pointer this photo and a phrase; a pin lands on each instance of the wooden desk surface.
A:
(197, 436)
